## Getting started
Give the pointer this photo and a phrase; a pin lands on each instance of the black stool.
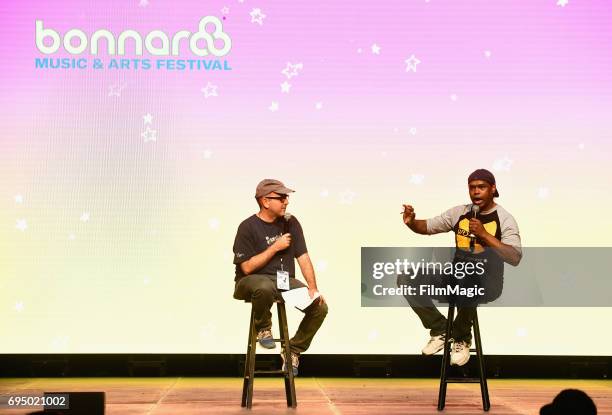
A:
(249, 364)
(445, 380)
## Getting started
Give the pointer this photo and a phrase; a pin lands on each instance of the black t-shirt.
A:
(255, 236)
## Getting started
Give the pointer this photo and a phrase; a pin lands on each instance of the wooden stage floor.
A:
(186, 396)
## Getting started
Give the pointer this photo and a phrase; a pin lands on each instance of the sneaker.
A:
(434, 345)
(460, 353)
(295, 362)
(264, 337)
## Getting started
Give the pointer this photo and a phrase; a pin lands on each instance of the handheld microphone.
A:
(287, 218)
(474, 209)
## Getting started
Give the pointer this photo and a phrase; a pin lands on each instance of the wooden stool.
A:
(445, 380)
(249, 364)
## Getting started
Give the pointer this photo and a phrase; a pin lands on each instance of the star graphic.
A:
(146, 280)
(149, 135)
(291, 70)
(324, 193)
(581, 146)
(60, 342)
(321, 265)
(543, 192)
(143, 3)
(240, 1)
(413, 130)
(257, 16)
(207, 154)
(411, 63)
(225, 10)
(22, 225)
(562, 3)
(19, 306)
(417, 178)
(210, 90)
(71, 237)
(285, 86)
(273, 107)
(487, 54)
(319, 105)
(503, 164)
(214, 223)
(375, 49)
(148, 118)
(115, 90)
(208, 331)
(18, 199)
(347, 197)
(521, 332)
(85, 217)
(359, 50)
(454, 97)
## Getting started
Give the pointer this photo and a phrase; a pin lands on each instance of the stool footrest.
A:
(462, 380)
(270, 372)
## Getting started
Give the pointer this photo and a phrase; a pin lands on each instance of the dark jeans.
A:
(435, 321)
(261, 290)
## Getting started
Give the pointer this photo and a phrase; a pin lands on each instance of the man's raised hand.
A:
(408, 214)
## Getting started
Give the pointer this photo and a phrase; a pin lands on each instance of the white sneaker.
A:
(434, 345)
(460, 353)
(295, 361)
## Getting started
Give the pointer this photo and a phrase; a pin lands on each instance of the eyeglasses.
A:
(281, 198)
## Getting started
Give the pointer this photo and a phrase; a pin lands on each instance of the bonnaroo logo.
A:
(170, 45)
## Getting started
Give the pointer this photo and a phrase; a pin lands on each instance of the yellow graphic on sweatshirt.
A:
(462, 237)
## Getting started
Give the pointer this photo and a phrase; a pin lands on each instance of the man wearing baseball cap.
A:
(484, 232)
(264, 250)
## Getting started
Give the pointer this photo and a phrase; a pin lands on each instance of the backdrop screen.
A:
(135, 132)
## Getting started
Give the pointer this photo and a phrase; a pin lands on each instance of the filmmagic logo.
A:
(76, 41)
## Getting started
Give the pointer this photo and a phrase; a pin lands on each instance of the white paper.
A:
(299, 298)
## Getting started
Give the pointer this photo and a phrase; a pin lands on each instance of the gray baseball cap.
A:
(267, 186)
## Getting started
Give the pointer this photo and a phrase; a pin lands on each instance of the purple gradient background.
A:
(549, 72)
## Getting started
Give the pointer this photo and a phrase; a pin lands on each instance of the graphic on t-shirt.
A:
(462, 238)
(271, 239)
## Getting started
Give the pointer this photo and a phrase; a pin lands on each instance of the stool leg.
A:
(446, 358)
(284, 335)
(249, 366)
(484, 390)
